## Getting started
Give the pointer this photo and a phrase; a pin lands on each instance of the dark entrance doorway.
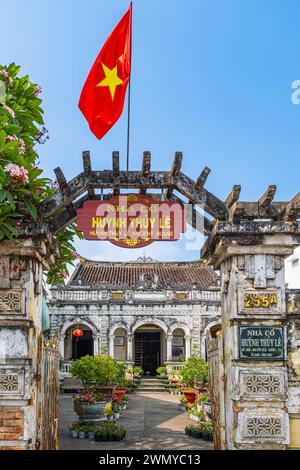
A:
(147, 351)
(83, 345)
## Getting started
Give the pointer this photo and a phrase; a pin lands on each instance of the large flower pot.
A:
(119, 392)
(90, 413)
(190, 395)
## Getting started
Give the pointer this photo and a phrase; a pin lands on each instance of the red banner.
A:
(131, 220)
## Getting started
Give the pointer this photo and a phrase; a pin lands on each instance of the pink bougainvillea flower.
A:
(38, 91)
(4, 73)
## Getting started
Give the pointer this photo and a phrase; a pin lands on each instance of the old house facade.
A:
(144, 312)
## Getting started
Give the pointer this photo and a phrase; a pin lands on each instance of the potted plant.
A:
(82, 432)
(137, 371)
(183, 404)
(96, 373)
(121, 374)
(207, 431)
(101, 435)
(110, 416)
(161, 371)
(118, 434)
(90, 431)
(195, 372)
(90, 406)
(194, 431)
(74, 428)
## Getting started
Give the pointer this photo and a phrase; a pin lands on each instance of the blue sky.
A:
(209, 78)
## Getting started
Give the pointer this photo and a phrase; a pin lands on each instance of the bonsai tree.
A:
(94, 370)
(84, 370)
(195, 372)
(105, 370)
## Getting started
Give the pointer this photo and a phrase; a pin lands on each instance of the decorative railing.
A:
(209, 295)
(176, 367)
(65, 369)
(94, 295)
(76, 295)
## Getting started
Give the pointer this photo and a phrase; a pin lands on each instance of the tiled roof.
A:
(130, 274)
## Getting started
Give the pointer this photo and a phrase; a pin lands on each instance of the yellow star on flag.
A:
(111, 79)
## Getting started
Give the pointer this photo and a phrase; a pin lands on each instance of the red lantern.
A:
(77, 333)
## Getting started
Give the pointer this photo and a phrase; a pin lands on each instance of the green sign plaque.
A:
(261, 343)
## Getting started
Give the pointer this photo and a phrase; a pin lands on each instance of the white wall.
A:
(292, 270)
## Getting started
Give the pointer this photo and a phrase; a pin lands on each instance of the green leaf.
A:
(31, 208)
(13, 129)
(9, 230)
(11, 200)
(2, 138)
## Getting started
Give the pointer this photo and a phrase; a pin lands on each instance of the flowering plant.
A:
(116, 399)
(90, 396)
(21, 186)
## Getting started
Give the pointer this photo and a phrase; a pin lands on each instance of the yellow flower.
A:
(107, 409)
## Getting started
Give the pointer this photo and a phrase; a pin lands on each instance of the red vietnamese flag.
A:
(103, 95)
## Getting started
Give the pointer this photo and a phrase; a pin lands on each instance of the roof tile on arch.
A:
(99, 274)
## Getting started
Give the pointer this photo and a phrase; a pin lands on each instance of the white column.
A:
(61, 347)
(111, 346)
(129, 347)
(187, 347)
(169, 347)
(96, 345)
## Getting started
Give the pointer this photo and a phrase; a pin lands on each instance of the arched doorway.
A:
(76, 347)
(149, 348)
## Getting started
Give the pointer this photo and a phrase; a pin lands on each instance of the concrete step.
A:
(150, 384)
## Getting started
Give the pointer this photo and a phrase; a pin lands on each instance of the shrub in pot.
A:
(82, 432)
(137, 371)
(94, 372)
(195, 372)
(74, 428)
(161, 371)
(121, 374)
(100, 435)
(91, 431)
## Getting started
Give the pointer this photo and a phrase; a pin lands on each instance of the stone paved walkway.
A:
(152, 421)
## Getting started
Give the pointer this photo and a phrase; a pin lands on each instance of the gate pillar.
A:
(22, 262)
(250, 256)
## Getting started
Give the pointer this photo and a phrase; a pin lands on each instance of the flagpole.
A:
(129, 90)
(128, 126)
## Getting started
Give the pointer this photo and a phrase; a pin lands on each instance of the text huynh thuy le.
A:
(111, 222)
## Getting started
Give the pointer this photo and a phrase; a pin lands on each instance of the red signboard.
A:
(131, 220)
